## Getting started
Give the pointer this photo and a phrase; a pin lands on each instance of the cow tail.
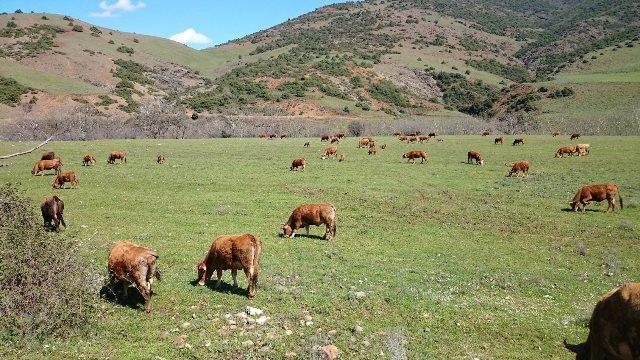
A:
(621, 203)
(334, 220)
(151, 262)
(65, 225)
(255, 262)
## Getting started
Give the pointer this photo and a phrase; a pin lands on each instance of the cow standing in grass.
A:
(557, 133)
(582, 149)
(472, 156)
(522, 166)
(574, 136)
(565, 150)
(52, 208)
(307, 144)
(518, 141)
(330, 151)
(43, 165)
(498, 140)
(88, 160)
(117, 155)
(311, 214)
(160, 159)
(415, 154)
(66, 177)
(325, 138)
(598, 193)
(298, 163)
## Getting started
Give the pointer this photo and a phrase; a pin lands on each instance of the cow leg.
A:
(219, 275)
(234, 275)
(249, 272)
(56, 224)
(612, 204)
(307, 228)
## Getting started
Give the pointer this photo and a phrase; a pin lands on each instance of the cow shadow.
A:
(134, 299)
(579, 211)
(225, 287)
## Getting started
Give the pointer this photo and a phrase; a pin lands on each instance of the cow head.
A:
(202, 269)
(287, 231)
(581, 350)
(481, 162)
(574, 205)
(404, 156)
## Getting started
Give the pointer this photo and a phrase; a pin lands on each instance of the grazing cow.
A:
(415, 154)
(402, 138)
(423, 138)
(52, 208)
(498, 140)
(307, 144)
(273, 136)
(413, 139)
(522, 166)
(311, 214)
(486, 133)
(234, 252)
(300, 162)
(132, 264)
(325, 138)
(49, 155)
(582, 149)
(160, 159)
(66, 177)
(264, 136)
(335, 140)
(396, 134)
(118, 154)
(432, 134)
(364, 142)
(565, 150)
(556, 133)
(574, 136)
(412, 134)
(440, 140)
(43, 165)
(596, 192)
(330, 151)
(339, 135)
(383, 146)
(284, 136)
(373, 150)
(518, 141)
(342, 158)
(88, 159)
(474, 155)
(614, 327)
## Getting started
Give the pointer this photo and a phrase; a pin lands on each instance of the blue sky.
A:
(216, 20)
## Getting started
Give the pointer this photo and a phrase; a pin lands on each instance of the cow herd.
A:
(132, 264)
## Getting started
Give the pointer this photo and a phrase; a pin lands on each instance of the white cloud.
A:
(113, 10)
(104, 14)
(190, 36)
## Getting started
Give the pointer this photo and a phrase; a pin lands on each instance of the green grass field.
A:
(458, 260)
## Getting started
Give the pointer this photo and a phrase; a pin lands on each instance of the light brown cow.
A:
(373, 150)
(415, 154)
(364, 142)
(232, 252)
(614, 328)
(342, 158)
(300, 162)
(65, 177)
(130, 264)
(264, 136)
(475, 156)
(160, 159)
(88, 159)
(311, 214)
(43, 165)
(582, 149)
(330, 151)
(522, 166)
(498, 140)
(556, 133)
(307, 144)
(565, 150)
(440, 140)
(118, 154)
(52, 208)
(423, 138)
(598, 193)
(518, 141)
(574, 136)
(325, 137)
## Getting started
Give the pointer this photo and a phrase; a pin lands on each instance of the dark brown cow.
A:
(432, 134)
(556, 133)
(234, 252)
(614, 328)
(49, 155)
(413, 139)
(325, 138)
(440, 140)
(498, 140)
(52, 208)
(574, 136)
(373, 150)
(311, 214)
(518, 141)
(335, 140)
(307, 144)
(473, 155)
(339, 135)
(396, 134)
(284, 136)
(412, 134)
(522, 166)
(300, 162)
(88, 159)
(330, 151)
(118, 154)
(415, 154)
(598, 193)
(402, 138)
(423, 138)
(132, 264)
(273, 136)
(565, 150)
(160, 159)
(43, 165)
(66, 177)
(486, 133)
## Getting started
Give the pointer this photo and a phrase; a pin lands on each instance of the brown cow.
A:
(66, 177)
(43, 165)
(273, 136)
(412, 134)
(474, 155)
(325, 137)
(518, 141)
(574, 136)
(556, 133)
(52, 208)
(402, 138)
(440, 140)
(311, 214)
(160, 159)
(364, 142)
(88, 159)
(415, 154)
(118, 154)
(522, 166)
(413, 139)
(582, 149)
(498, 140)
(307, 144)
(342, 158)
(300, 162)
(396, 134)
(614, 328)
(486, 133)
(432, 134)
(339, 135)
(383, 146)
(49, 155)
(284, 136)
(335, 140)
(264, 136)
(132, 264)
(423, 138)
(565, 150)
(330, 151)
(596, 192)
(235, 252)
(373, 150)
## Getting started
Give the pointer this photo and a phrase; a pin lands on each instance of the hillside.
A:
(370, 60)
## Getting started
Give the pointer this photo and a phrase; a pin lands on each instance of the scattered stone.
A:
(207, 343)
(164, 335)
(308, 318)
(262, 320)
(185, 325)
(332, 333)
(188, 346)
(288, 332)
(248, 343)
(231, 322)
(291, 354)
(180, 340)
(193, 316)
(360, 295)
(366, 343)
(241, 315)
(358, 329)
(309, 323)
(329, 352)
(228, 316)
(254, 311)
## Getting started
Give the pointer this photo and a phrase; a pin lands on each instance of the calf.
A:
(311, 214)
(235, 252)
(614, 328)
(596, 192)
(441, 140)
(132, 264)
(43, 165)
(474, 155)
(325, 138)
(364, 142)
(160, 159)
(335, 140)
(415, 154)
(66, 177)
(574, 136)
(518, 141)
(330, 151)
(264, 136)
(300, 162)
(52, 208)
(373, 150)
(522, 166)
(556, 133)
(119, 154)
(88, 159)
(396, 134)
(582, 149)
(565, 150)
(498, 140)
(307, 144)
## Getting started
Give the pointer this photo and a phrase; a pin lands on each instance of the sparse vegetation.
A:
(11, 91)
(125, 50)
(512, 72)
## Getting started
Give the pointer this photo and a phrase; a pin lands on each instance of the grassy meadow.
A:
(456, 261)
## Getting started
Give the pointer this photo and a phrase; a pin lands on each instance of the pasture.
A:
(455, 261)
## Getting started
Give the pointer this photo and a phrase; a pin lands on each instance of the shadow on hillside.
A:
(225, 287)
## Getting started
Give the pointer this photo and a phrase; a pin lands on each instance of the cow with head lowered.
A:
(311, 214)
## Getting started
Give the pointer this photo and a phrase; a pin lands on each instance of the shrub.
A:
(18, 11)
(11, 91)
(44, 17)
(77, 28)
(386, 91)
(111, 42)
(564, 92)
(46, 289)
(511, 72)
(136, 40)
(12, 24)
(125, 50)
(356, 128)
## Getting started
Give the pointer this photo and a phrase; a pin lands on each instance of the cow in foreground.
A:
(88, 160)
(43, 165)
(160, 159)
(473, 155)
(415, 154)
(66, 177)
(298, 163)
(52, 208)
(498, 140)
(582, 149)
(132, 264)
(234, 252)
(596, 192)
(614, 327)
(330, 151)
(119, 154)
(518, 141)
(522, 166)
(311, 214)
(565, 150)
